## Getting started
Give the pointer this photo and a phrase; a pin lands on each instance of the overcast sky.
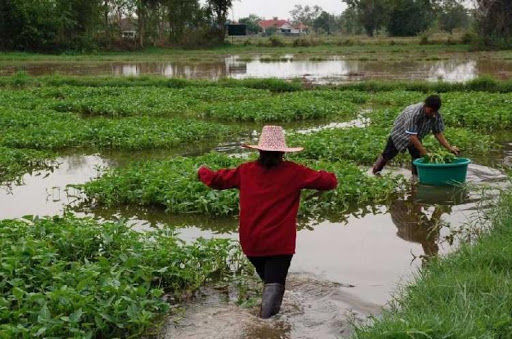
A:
(280, 8)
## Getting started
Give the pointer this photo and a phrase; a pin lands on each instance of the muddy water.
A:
(317, 308)
(45, 192)
(335, 69)
(342, 272)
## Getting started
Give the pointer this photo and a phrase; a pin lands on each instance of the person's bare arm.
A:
(417, 144)
(442, 140)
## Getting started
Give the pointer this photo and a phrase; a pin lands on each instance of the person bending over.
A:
(410, 127)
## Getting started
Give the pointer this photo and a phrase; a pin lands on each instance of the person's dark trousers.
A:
(273, 271)
(390, 152)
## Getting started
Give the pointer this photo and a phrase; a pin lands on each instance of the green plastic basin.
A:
(442, 174)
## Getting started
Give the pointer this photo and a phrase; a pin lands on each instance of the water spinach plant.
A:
(439, 156)
(72, 277)
(173, 184)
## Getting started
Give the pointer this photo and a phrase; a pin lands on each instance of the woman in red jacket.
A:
(269, 200)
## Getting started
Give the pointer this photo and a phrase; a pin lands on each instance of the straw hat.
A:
(272, 139)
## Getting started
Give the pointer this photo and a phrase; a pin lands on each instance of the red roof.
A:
(272, 23)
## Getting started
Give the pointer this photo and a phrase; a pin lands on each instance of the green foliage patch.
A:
(173, 184)
(285, 107)
(71, 277)
(47, 129)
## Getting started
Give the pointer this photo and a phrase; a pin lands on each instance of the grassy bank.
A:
(482, 84)
(70, 277)
(468, 294)
(353, 48)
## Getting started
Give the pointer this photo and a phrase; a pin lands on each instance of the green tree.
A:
(219, 10)
(48, 24)
(142, 7)
(371, 14)
(494, 22)
(181, 15)
(452, 14)
(349, 22)
(252, 23)
(305, 14)
(325, 22)
(409, 17)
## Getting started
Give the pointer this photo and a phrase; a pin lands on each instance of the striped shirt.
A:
(413, 121)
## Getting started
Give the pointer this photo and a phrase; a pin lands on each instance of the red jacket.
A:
(269, 201)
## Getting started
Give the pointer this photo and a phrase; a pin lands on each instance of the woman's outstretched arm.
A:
(221, 179)
(319, 180)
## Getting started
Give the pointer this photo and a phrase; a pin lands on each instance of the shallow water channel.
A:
(342, 272)
(331, 69)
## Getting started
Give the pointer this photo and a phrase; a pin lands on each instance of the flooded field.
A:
(331, 69)
(130, 152)
(362, 260)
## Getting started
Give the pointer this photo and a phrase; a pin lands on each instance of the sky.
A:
(280, 8)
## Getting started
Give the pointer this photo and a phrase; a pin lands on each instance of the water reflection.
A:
(414, 224)
(335, 69)
(45, 192)
(149, 218)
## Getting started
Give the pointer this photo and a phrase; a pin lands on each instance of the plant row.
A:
(173, 184)
(55, 130)
(363, 145)
(219, 103)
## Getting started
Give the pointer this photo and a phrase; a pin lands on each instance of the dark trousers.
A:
(272, 269)
(390, 152)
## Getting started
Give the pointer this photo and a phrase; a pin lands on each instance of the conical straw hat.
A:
(272, 139)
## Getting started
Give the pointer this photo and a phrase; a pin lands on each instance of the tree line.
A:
(492, 19)
(44, 25)
(57, 25)
(396, 17)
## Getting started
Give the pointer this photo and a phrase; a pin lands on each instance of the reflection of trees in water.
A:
(454, 69)
(157, 217)
(210, 70)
